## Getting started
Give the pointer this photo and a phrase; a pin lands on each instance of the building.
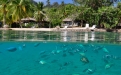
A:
(69, 22)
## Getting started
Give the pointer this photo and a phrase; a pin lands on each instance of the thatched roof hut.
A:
(67, 19)
(28, 19)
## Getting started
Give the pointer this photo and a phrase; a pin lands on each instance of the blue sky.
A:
(51, 1)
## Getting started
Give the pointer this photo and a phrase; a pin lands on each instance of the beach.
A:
(55, 29)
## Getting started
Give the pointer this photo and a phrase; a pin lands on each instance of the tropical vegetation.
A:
(103, 13)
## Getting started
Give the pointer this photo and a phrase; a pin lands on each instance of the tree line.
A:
(103, 13)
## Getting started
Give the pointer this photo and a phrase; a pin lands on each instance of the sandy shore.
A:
(54, 29)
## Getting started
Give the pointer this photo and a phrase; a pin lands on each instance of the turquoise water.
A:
(51, 53)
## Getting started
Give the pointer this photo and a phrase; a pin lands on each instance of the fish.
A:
(44, 56)
(11, 49)
(70, 52)
(81, 45)
(97, 49)
(37, 44)
(109, 65)
(54, 61)
(105, 50)
(42, 62)
(84, 59)
(85, 70)
(83, 48)
(66, 63)
(24, 45)
(89, 70)
(42, 52)
(20, 48)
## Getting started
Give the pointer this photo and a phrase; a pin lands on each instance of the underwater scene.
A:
(60, 55)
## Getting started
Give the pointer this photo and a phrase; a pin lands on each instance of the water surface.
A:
(59, 53)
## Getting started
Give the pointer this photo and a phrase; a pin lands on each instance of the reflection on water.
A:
(86, 37)
(6, 35)
(64, 34)
(92, 36)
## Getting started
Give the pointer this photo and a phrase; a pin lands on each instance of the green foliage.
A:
(91, 11)
(39, 14)
(54, 17)
(109, 16)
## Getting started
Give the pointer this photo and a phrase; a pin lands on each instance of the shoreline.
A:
(55, 29)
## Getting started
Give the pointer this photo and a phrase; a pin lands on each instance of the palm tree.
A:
(20, 9)
(39, 13)
(3, 9)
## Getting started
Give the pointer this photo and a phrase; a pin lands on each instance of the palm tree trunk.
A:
(4, 22)
(81, 23)
(20, 24)
(4, 19)
(38, 23)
